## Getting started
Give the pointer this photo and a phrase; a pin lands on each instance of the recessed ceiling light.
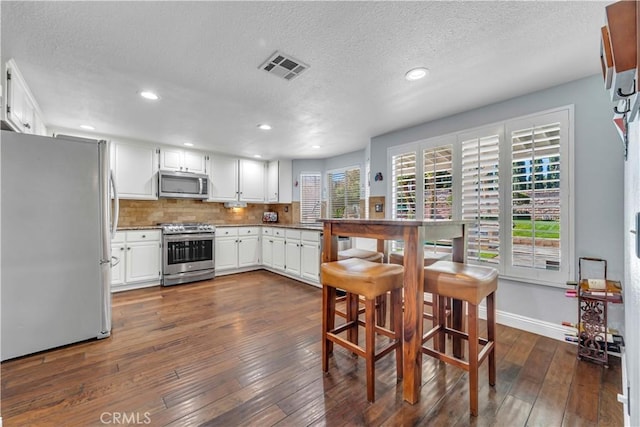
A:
(188, 144)
(146, 94)
(257, 156)
(416, 73)
(264, 126)
(315, 146)
(87, 127)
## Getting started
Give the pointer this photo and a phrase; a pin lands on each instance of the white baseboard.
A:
(536, 326)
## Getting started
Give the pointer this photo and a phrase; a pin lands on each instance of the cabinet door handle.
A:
(129, 249)
(144, 236)
(122, 248)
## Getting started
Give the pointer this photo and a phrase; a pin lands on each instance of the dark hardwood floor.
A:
(245, 350)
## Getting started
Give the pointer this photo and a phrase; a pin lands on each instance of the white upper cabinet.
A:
(279, 185)
(223, 179)
(234, 179)
(252, 181)
(175, 159)
(135, 168)
(21, 111)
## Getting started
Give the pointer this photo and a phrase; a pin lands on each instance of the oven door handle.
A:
(188, 237)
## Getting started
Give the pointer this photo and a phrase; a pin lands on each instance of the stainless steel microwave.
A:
(184, 185)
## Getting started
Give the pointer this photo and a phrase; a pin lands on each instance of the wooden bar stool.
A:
(370, 280)
(381, 301)
(429, 259)
(470, 284)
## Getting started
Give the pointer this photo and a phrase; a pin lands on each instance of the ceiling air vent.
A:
(284, 66)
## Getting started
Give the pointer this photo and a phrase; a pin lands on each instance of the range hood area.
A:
(235, 204)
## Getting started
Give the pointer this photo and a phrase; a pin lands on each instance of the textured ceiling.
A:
(86, 61)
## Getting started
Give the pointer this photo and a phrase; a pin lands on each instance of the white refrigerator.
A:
(55, 255)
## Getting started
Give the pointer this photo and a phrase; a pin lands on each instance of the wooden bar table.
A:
(414, 233)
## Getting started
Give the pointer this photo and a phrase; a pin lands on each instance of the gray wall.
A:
(598, 185)
(355, 158)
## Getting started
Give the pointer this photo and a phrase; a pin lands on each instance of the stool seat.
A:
(358, 276)
(361, 254)
(460, 281)
(429, 258)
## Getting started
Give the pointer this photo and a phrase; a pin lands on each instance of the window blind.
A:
(403, 188)
(310, 191)
(481, 196)
(535, 197)
(438, 190)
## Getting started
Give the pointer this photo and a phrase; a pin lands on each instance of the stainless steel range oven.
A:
(188, 253)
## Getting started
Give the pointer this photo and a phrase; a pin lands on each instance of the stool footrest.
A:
(343, 328)
(387, 349)
(486, 350)
(378, 329)
(346, 344)
(446, 358)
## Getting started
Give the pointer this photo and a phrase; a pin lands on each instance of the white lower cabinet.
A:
(139, 259)
(226, 248)
(292, 252)
(267, 246)
(237, 247)
(249, 247)
(278, 254)
(310, 256)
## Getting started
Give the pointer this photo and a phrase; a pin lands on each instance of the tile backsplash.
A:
(140, 213)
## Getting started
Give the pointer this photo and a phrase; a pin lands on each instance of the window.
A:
(540, 211)
(310, 190)
(512, 179)
(481, 197)
(438, 179)
(344, 193)
(403, 190)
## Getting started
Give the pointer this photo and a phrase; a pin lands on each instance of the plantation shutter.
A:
(535, 197)
(403, 191)
(438, 190)
(310, 190)
(481, 197)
